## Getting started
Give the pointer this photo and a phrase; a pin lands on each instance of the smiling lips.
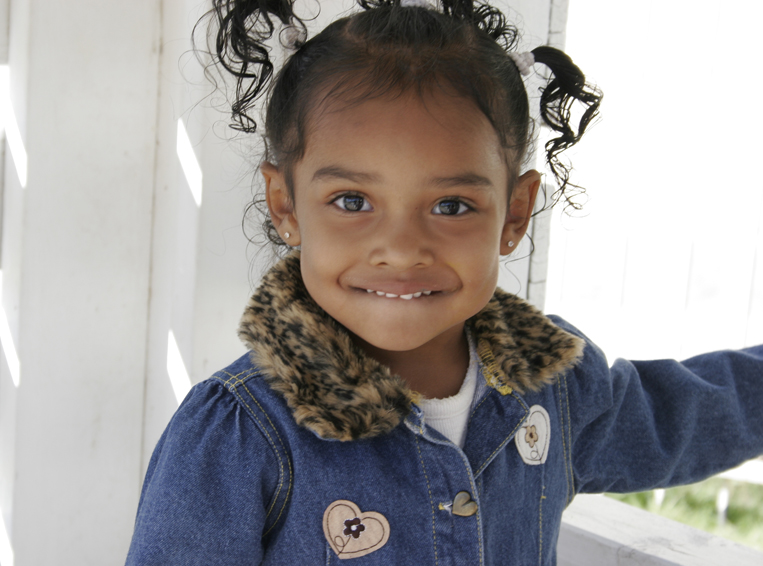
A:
(404, 297)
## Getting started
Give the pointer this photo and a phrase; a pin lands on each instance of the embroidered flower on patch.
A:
(354, 527)
(531, 436)
(343, 521)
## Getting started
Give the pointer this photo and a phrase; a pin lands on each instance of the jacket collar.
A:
(340, 393)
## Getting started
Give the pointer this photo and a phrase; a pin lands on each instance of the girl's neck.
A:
(435, 369)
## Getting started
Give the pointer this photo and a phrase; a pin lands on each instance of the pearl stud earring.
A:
(286, 235)
(511, 244)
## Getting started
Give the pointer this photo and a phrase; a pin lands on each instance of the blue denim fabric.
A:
(235, 481)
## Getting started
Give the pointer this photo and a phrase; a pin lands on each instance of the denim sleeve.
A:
(645, 424)
(207, 488)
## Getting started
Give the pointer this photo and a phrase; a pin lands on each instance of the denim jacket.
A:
(306, 452)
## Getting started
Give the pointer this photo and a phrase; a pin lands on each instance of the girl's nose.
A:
(402, 244)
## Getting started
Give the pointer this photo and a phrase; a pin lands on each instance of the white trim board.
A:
(599, 531)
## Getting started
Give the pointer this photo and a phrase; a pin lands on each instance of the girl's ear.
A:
(280, 204)
(520, 210)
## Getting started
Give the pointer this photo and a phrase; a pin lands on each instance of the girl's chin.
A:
(404, 338)
(390, 344)
(393, 341)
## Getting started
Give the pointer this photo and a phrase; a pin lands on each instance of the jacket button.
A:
(463, 506)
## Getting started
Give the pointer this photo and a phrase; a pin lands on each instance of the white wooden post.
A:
(200, 278)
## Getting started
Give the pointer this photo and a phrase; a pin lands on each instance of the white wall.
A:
(105, 252)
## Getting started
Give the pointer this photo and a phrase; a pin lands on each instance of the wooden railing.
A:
(599, 531)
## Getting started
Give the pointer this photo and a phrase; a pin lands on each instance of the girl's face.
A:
(400, 208)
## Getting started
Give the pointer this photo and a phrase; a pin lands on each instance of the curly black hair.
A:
(387, 49)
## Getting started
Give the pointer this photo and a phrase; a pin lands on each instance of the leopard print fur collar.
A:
(338, 392)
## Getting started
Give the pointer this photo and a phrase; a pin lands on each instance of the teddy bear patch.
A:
(533, 438)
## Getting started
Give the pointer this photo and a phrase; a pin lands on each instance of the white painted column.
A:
(200, 278)
(524, 271)
(76, 260)
(9, 367)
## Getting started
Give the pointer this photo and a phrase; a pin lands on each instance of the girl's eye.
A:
(353, 203)
(450, 207)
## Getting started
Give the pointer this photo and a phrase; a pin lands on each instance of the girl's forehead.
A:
(453, 112)
(435, 125)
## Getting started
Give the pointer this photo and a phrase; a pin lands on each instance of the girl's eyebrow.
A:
(467, 179)
(336, 172)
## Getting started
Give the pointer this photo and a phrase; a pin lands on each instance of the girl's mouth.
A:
(404, 297)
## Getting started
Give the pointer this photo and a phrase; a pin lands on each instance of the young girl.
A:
(395, 407)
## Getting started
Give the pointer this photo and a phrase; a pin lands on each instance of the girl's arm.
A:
(207, 488)
(645, 424)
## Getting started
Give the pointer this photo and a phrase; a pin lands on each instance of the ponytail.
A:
(243, 27)
(567, 86)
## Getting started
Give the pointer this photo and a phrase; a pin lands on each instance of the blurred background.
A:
(124, 267)
(665, 260)
(666, 257)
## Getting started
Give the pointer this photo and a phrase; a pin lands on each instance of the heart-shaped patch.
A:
(534, 438)
(351, 532)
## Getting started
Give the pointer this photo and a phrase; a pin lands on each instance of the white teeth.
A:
(407, 297)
